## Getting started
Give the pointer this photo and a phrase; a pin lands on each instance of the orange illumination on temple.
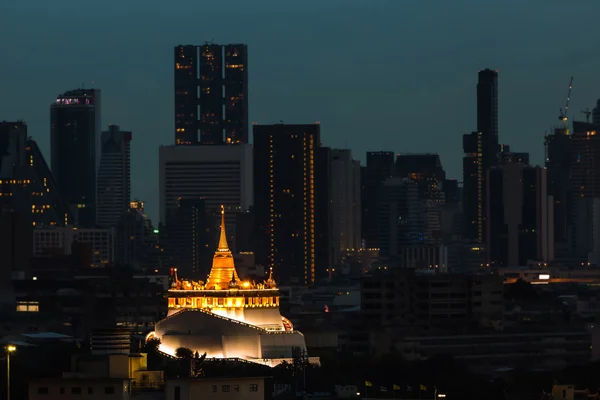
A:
(227, 317)
(222, 274)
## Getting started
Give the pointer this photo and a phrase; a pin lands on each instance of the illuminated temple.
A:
(227, 317)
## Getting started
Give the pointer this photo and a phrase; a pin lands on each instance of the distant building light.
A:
(544, 277)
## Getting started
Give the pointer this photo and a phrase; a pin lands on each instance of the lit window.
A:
(28, 306)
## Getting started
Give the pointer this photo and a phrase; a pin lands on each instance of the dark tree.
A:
(184, 352)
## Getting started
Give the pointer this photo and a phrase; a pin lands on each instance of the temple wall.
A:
(263, 317)
(241, 346)
(193, 322)
(280, 345)
(212, 345)
(219, 337)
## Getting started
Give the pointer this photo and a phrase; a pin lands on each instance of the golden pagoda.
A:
(222, 274)
(227, 317)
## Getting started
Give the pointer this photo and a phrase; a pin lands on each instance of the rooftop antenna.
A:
(83, 85)
(587, 113)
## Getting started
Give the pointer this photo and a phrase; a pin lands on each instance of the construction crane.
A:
(587, 113)
(563, 116)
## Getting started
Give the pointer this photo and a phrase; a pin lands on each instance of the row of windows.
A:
(77, 390)
(236, 388)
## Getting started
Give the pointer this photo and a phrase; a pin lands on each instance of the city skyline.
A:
(286, 76)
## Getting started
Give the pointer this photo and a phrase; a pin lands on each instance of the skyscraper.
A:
(487, 103)
(345, 202)
(114, 176)
(26, 183)
(211, 94)
(400, 220)
(286, 200)
(596, 113)
(426, 170)
(481, 149)
(380, 166)
(74, 143)
(519, 215)
(189, 238)
(584, 189)
(221, 175)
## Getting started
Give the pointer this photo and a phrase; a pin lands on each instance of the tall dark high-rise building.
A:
(345, 193)
(134, 243)
(519, 215)
(26, 183)
(559, 159)
(189, 238)
(481, 149)
(287, 203)
(16, 247)
(473, 186)
(114, 176)
(584, 190)
(426, 170)
(211, 94)
(74, 145)
(380, 166)
(399, 216)
(487, 103)
(596, 113)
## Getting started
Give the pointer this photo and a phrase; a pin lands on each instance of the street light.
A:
(9, 349)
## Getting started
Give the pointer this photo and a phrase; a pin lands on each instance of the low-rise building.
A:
(105, 388)
(242, 388)
(402, 298)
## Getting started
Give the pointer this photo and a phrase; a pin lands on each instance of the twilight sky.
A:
(394, 75)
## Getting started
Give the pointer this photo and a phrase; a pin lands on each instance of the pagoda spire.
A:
(223, 246)
(223, 267)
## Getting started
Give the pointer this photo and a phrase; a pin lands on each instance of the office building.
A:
(596, 113)
(221, 175)
(287, 203)
(345, 205)
(211, 94)
(559, 159)
(26, 183)
(380, 166)
(519, 214)
(426, 170)
(62, 240)
(74, 146)
(421, 303)
(114, 176)
(584, 190)
(134, 242)
(15, 252)
(14, 193)
(189, 235)
(400, 219)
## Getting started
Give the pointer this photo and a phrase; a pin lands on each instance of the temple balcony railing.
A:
(261, 330)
